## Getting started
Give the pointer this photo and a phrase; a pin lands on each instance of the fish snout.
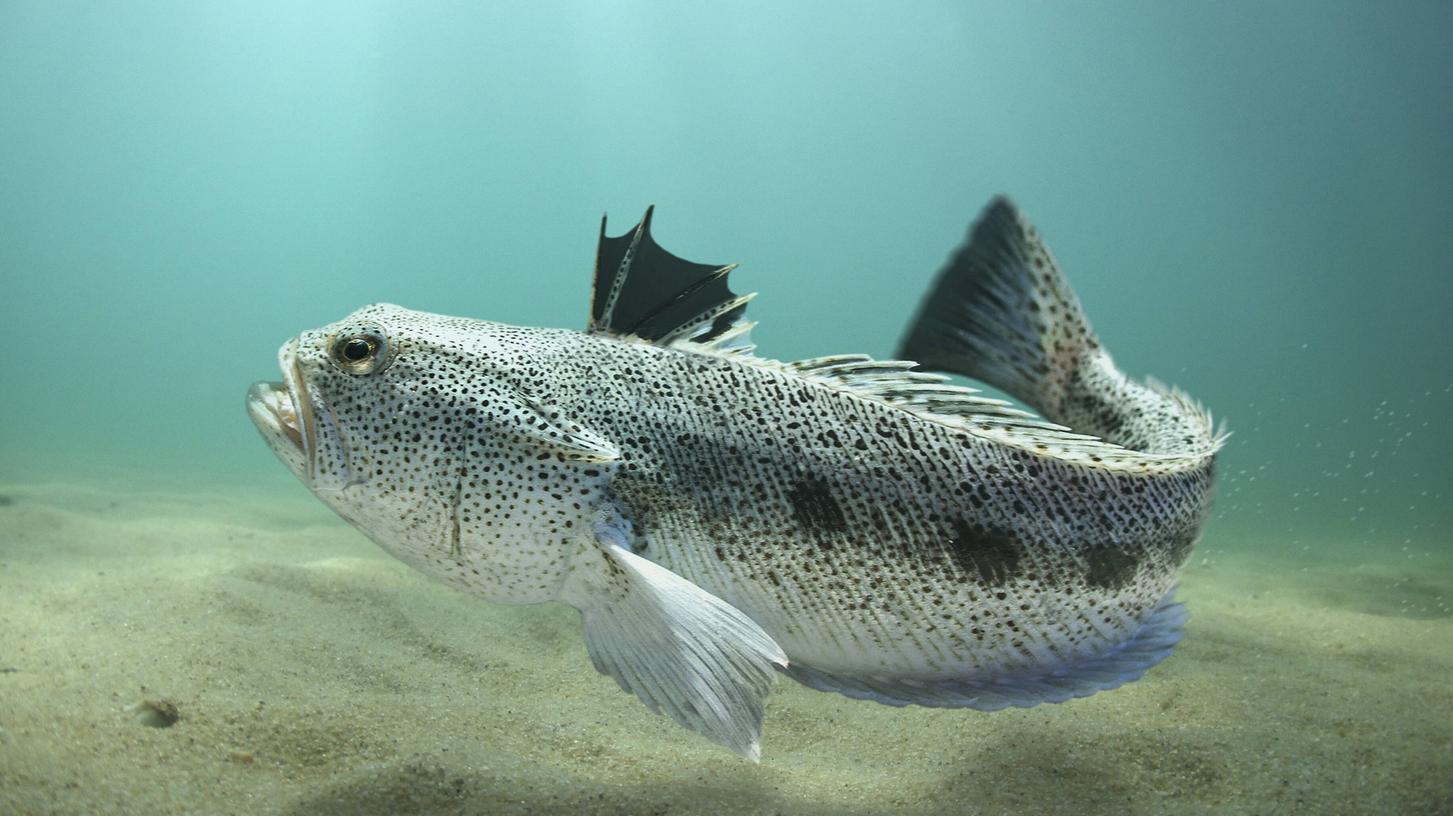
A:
(281, 411)
(273, 412)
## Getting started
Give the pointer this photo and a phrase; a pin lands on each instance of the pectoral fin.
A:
(683, 651)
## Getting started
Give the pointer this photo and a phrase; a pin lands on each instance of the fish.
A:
(869, 527)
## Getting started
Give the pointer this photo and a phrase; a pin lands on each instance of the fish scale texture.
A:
(898, 538)
(864, 537)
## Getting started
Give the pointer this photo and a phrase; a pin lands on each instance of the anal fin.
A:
(683, 651)
(1150, 644)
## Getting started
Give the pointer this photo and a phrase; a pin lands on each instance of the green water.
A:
(1253, 201)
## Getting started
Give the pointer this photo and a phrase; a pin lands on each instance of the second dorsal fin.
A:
(643, 291)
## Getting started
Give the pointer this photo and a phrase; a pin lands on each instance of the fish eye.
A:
(359, 353)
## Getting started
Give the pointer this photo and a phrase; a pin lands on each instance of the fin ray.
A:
(1149, 645)
(900, 383)
(641, 290)
(1002, 312)
(683, 651)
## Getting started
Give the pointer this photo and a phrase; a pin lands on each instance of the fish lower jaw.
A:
(273, 412)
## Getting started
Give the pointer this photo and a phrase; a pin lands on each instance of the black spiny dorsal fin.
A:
(641, 290)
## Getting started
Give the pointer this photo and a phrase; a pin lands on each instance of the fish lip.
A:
(282, 409)
(287, 359)
(271, 409)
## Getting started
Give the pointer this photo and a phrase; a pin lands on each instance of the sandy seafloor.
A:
(313, 674)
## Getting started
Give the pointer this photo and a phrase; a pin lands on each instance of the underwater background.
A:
(1252, 199)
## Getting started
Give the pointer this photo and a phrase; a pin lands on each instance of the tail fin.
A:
(1002, 312)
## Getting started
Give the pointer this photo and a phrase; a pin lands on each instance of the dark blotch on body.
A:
(1180, 546)
(1111, 568)
(815, 508)
(992, 556)
(643, 523)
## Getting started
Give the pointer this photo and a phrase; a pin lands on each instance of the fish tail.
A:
(1002, 312)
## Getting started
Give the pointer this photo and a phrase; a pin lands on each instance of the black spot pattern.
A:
(815, 508)
(1003, 313)
(849, 528)
(863, 536)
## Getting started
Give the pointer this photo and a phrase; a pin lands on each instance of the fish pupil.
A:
(356, 349)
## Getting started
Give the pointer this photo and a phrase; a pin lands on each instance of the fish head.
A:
(375, 413)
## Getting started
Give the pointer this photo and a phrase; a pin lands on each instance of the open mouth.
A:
(280, 409)
(272, 409)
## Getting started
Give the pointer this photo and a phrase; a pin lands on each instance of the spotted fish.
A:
(863, 526)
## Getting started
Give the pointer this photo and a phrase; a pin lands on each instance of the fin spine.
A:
(642, 291)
